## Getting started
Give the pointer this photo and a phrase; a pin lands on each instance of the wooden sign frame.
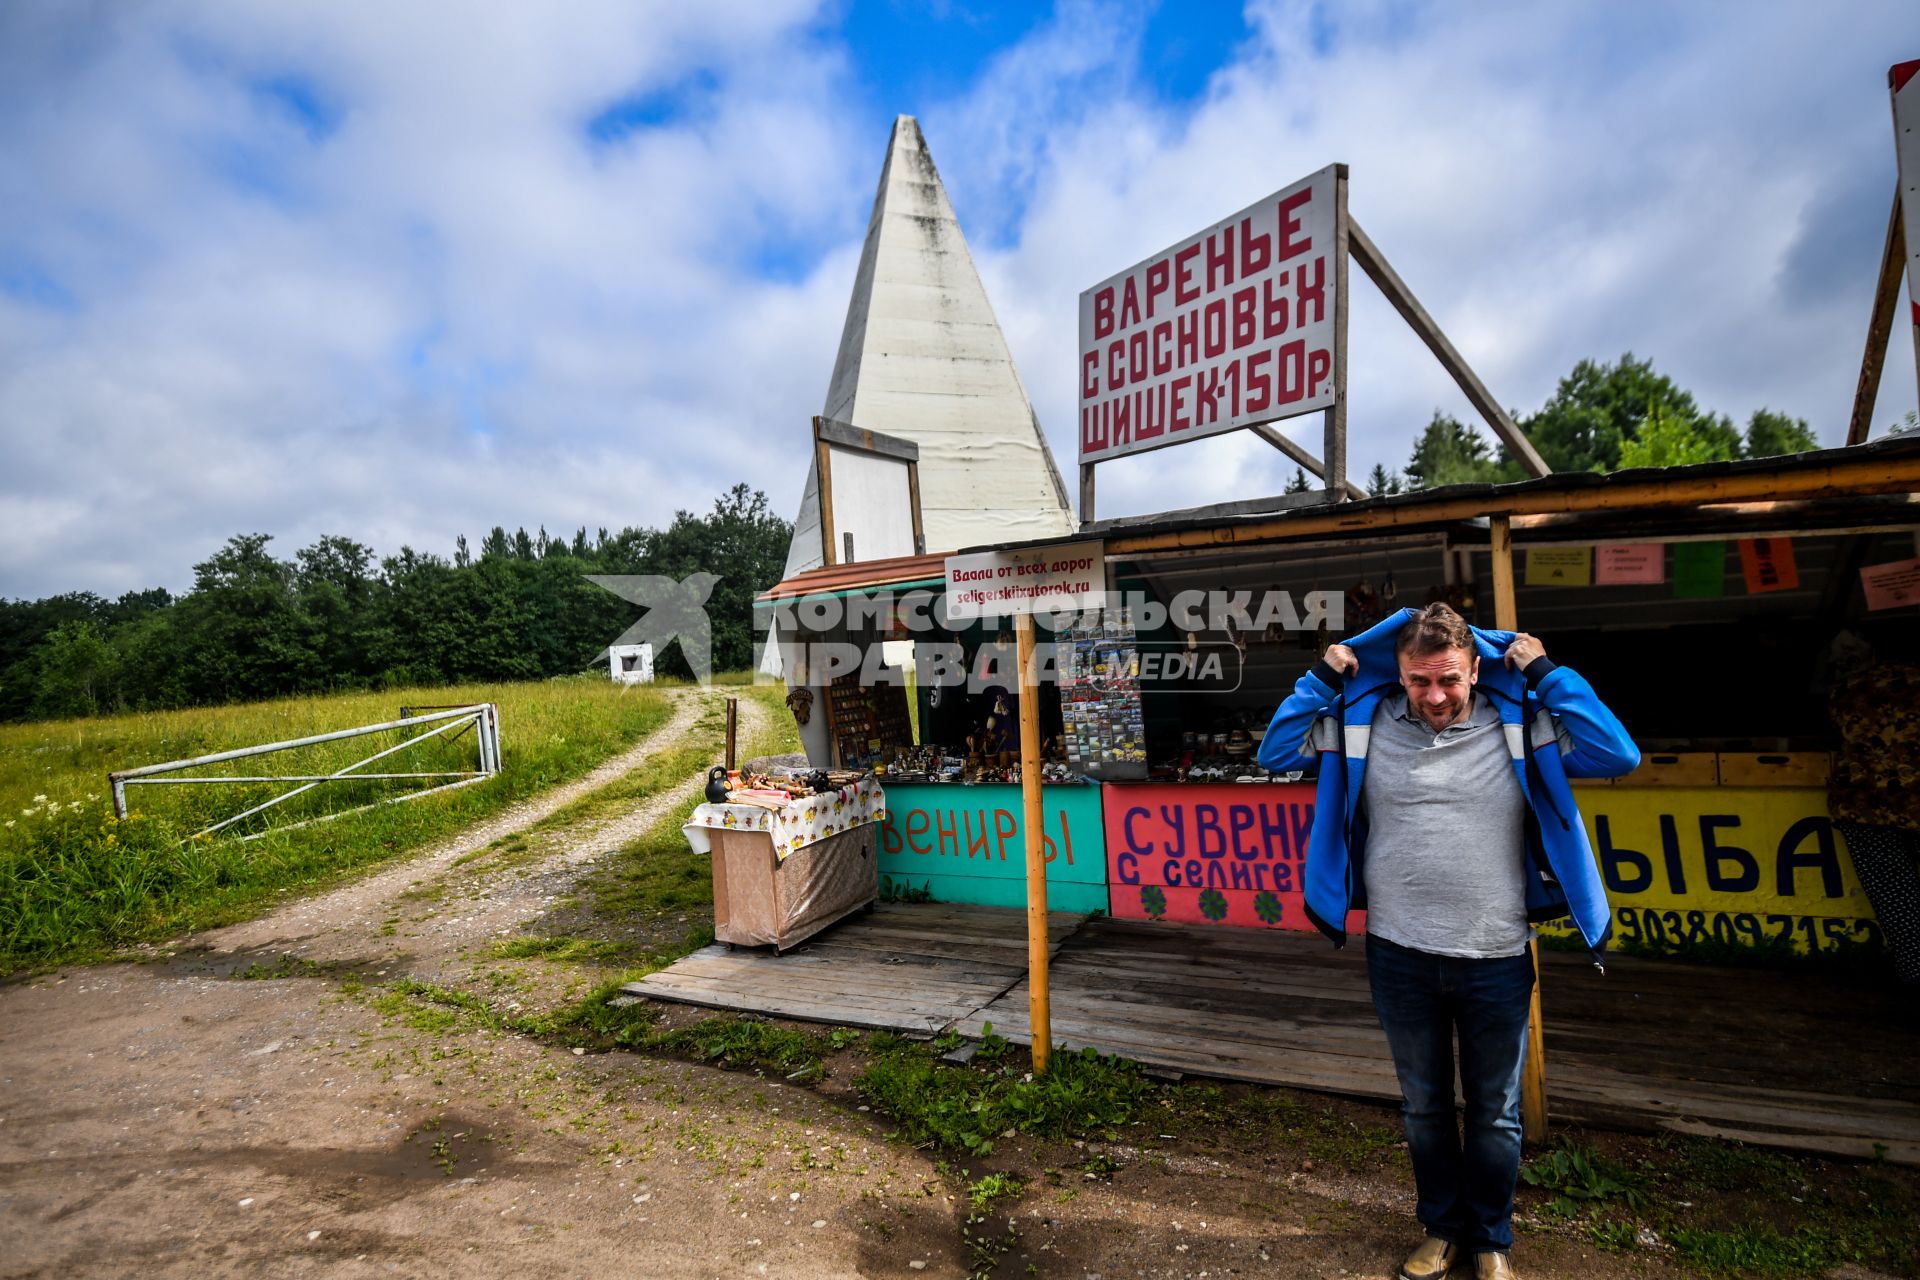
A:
(828, 435)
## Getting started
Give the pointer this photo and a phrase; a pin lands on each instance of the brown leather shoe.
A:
(1432, 1260)
(1493, 1266)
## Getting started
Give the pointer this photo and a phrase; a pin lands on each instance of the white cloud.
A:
(439, 305)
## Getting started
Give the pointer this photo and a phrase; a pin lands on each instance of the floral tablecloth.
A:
(798, 825)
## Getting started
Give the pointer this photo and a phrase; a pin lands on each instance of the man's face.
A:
(1438, 684)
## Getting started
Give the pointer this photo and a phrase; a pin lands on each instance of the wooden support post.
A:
(913, 498)
(1038, 1003)
(1086, 493)
(1533, 1076)
(1886, 301)
(1300, 455)
(1374, 263)
(823, 467)
(733, 733)
(1334, 474)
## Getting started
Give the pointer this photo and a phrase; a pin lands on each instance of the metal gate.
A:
(483, 717)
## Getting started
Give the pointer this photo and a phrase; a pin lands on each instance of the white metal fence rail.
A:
(483, 717)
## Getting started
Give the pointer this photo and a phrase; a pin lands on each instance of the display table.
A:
(781, 876)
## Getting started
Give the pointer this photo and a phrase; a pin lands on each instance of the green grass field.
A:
(76, 884)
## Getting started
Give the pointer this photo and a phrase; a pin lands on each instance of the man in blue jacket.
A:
(1443, 810)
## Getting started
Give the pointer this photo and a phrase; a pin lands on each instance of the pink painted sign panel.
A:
(1226, 854)
(1627, 564)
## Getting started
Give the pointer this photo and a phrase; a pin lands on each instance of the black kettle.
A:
(717, 784)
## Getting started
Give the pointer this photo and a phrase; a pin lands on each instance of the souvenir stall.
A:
(1710, 605)
(930, 710)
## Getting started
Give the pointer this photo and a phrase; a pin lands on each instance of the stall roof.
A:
(1871, 485)
(1888, 466)
(863, 575)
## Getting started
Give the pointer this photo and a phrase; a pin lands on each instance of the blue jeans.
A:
(1465, 1189)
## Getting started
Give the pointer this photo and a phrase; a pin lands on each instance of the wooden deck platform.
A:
(1793, 1061)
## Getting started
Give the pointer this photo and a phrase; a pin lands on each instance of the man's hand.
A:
(1524, 650)
(1342, 659)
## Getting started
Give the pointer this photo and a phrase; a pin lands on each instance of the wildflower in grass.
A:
(39, 799)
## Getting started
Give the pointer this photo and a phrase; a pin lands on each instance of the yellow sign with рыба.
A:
(1746, 865)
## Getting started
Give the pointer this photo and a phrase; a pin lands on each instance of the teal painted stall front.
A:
(962, 843)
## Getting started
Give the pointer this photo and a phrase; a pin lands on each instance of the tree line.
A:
(336, 617)
(1602, 417)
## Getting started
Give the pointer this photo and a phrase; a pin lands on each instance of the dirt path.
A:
(171, 1119)
(179, 1118)
(334, 926)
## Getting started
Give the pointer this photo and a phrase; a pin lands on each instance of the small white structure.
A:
(631, 663)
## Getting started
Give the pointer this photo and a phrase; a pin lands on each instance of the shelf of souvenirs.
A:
(935, 763)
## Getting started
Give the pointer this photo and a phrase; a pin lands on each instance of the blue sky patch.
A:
(29, 282)
(649, 109)
(300, 101)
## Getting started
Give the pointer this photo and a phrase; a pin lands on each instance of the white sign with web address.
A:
(1059, 579)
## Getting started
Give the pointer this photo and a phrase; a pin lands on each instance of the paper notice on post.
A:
(1891, 586)
(1631, 564)
(1768, 564)
(1699, 570)
(1559, 566)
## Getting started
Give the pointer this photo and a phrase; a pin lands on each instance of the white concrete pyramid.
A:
(922, 358)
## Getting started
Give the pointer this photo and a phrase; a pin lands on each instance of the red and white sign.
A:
(1228, 328)
(1069, 578)
(1210, 854)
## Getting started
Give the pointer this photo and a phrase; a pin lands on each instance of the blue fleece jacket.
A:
(1556, 728)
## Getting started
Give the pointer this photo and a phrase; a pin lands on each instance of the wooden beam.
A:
(1533, 1073)
(913, 499)
(1886, 301)
(848, 436)
(823, 464)
(1841, 479)
(1334, 474)
(1272, 436)
(1086, 493)
(1039, 1003)
(1374, 263)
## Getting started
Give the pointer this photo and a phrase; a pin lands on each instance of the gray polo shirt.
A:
(1446, 839)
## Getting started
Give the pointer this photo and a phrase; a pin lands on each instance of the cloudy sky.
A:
(403, 271)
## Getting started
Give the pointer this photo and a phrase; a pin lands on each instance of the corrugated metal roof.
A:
(862, 574)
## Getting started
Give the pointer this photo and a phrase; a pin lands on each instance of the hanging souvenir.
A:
(1387, 588)
(1363, 605)
(1272, 633)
